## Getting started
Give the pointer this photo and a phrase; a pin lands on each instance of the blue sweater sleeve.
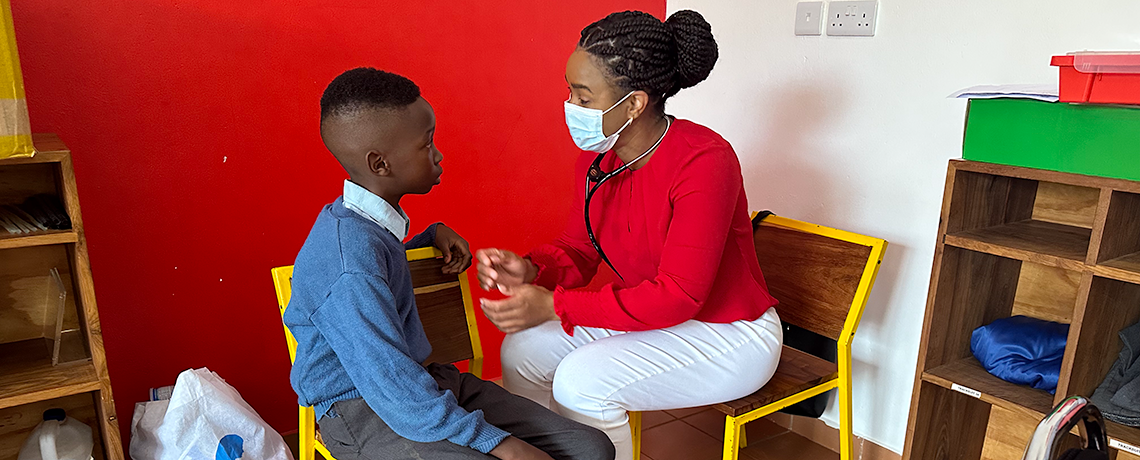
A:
(424, 239)
(360, 322)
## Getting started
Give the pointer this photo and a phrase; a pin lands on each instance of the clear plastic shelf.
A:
(56, 300)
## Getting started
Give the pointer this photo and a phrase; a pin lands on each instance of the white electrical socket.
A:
(852, 18)
(809, 18)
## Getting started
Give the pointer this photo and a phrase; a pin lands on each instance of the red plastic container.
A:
(1102, 78)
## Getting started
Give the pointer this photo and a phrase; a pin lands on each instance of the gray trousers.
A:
(357, 433)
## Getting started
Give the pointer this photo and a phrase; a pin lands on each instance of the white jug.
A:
(58, 437)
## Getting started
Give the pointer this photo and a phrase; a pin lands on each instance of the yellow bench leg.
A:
(306, 434)
(732, 437)
(635, 432)
(846, 433)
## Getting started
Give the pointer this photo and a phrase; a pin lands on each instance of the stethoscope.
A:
(597, 177)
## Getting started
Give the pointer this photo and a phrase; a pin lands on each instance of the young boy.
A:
(359, 338)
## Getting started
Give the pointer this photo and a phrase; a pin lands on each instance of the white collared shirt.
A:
(375, 209)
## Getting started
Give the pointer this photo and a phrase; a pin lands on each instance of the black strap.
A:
(760, 216)
(1083, 454)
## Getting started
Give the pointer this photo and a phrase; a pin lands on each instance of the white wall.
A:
(855, 133)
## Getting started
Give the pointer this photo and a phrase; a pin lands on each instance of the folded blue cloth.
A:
(1022, 350)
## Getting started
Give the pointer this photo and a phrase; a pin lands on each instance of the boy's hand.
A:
(513, 448)
(456, 252)
(527, 306)
(503, 268)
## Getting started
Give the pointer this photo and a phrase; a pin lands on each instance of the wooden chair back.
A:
(819, 275)
(443, 301)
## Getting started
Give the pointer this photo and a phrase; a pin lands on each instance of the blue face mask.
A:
(586, 127)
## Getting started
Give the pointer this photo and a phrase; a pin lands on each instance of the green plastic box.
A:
(1097, 140)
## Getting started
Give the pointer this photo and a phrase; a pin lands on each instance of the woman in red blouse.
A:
(689, 321)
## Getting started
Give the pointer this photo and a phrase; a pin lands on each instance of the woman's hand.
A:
(527, 306)
(503, 268)
(456, 252)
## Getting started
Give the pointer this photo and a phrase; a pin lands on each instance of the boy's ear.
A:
(378, 163)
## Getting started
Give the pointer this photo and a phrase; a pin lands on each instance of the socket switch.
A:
(809, 18)
(846, 18)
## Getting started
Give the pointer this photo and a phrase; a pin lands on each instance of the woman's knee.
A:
(532, 353)
(583, 383)
(513, 352)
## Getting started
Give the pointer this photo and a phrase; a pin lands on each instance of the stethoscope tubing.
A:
(586, 208)
(596, 167)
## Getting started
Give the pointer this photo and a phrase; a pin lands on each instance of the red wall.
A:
(193, 126)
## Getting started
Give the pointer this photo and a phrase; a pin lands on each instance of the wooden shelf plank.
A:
(1043, 175)
(1045, 243)
(49, 149)
(1125, 268)
(1123, 433)
(10, 241)
(26, 374)
(48, 383)
(967, 372)
(49, 143)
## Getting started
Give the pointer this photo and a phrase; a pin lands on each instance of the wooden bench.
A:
(822, 278)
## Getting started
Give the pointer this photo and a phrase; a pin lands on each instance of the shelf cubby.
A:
(17, 422)
(20, 181)
(29, 309)
(1010, 430)
(1039, 221)
(945, 424)
(976, 288)
(1112, 305)
(1119, 254)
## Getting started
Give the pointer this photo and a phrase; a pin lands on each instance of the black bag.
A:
(820, 347)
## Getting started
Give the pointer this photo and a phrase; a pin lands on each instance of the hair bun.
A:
(696, 47)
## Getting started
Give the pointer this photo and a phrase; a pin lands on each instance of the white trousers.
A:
(595, 376)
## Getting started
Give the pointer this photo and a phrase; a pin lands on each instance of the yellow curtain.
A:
(15, 131)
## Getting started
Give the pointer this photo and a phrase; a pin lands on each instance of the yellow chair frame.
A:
(282, 281)
(734, 435)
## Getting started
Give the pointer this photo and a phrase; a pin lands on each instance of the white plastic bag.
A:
(204, 419)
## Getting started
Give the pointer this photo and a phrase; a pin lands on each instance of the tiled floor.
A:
(696, 434)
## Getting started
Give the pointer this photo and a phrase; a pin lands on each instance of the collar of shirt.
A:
(375, 209)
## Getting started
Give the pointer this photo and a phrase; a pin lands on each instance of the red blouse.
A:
(678, 231)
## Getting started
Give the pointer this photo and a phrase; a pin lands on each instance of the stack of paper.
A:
(1043, 92)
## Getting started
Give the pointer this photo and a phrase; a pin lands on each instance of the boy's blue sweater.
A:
(358, 332)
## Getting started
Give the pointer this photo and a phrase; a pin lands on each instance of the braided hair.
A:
(639, 52)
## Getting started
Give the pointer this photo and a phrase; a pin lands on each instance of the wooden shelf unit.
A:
(30, 382)
(1019, 241)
